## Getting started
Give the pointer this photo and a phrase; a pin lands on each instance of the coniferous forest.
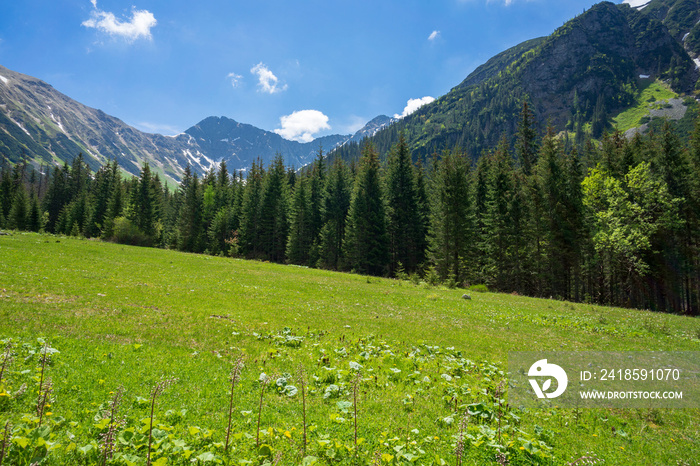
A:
(612, 221)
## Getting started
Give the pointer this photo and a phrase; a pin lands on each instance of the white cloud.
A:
(302, 125)
(414, 104)
(235, 79)
(433, 35)
(139, 26)
(267, 81)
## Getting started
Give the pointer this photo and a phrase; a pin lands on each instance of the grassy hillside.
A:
(124, 316)
(651, 95)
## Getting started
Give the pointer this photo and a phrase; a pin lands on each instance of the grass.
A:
(653, 94)
(126, 316)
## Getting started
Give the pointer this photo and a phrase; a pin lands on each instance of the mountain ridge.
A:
(41, 123)
(583, 73)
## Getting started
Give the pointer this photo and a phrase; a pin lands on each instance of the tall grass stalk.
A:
(302, 384)
(355, 387)
(235, 377)
(264, 380)
(157, 390)
(109, 437)
(7, 359)
(41, 400)
(6, 438)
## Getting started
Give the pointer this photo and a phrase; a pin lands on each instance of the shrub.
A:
(479, 288)
(125, 232)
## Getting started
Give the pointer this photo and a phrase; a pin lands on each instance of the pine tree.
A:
(403, 223)
(366, 242)
(223, 194)
(250, 211)
(7, 192)
(34, 216)
(19, 211)
(482, 266)
(102, 191)
(336, 203)
(274, 207)
(423, 209)
(57, 196)
(551, 178)
(142, 202)
(526, 140)
(451, 228)
(318, 182)
(189, 220)
(300, 223)
(498, 202)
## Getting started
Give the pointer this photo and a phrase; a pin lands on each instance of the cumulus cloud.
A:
(267, 81)
(302, 125)
(433, 35)
(139, 26)
(414, 104)
(235, 79)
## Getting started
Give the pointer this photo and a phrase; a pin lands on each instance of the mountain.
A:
(43, 124)
(585, 72)
(681, 18)
(239, 144)
(575, 79)
(48, 127)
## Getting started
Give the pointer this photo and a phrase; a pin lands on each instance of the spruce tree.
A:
(19, 211)
(526, 139)
(336, 203)
(189, 220)
(451, 228)
(300, 223)
(250, 211)
(366, 242)
(423, 209)
(34, 216)
(404, 223)
(318, 183)
(274, 209)
(498, 203)
(57, 196)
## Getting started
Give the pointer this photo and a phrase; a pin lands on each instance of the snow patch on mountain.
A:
(4, 79)
(20, 125)
(639, 4)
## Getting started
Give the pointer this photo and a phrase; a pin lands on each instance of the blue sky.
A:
(303, 68)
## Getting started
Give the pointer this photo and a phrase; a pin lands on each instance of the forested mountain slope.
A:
(576, 78)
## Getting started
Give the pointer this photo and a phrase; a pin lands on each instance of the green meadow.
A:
(652, 95)
(337, 368)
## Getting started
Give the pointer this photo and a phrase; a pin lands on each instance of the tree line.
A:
(615, 221)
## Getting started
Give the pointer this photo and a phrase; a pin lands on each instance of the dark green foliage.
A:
(404, 222)
(17, 218)
(274, 207)
(451, 230)
(250, 211)
(189, 234)
(336, 203)
(526, 145)
(125, 232)
(300, 225)
(613, 221)
(366, 243)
